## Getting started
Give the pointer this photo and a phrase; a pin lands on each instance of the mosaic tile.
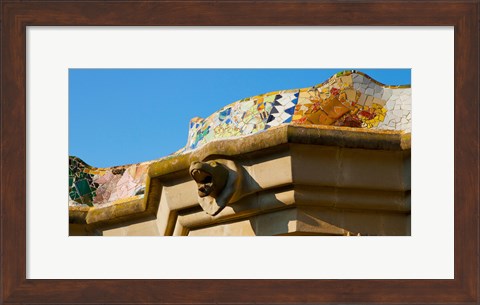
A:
(91, 186)
(283, 108)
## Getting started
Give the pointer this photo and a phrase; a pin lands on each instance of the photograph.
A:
(239, 152)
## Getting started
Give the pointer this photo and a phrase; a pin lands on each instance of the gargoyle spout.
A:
(211, 177)
(217, 182)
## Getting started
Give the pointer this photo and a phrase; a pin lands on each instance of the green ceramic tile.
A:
(82, 187)
(87, 199)
(74, 195)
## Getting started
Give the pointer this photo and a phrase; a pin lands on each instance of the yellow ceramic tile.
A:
(131, 170)
(379, 102)
(362, 99)
(334, 108)
(351, 94)
(369, 100)
(347, 80)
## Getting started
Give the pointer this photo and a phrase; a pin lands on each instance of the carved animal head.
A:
(217, 182)
(211, 177)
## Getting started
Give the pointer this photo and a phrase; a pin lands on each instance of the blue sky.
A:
(123, 116)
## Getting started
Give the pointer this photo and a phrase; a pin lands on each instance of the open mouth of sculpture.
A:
(204, 180)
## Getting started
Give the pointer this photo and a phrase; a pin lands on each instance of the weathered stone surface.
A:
(217, 182)
(292, 189)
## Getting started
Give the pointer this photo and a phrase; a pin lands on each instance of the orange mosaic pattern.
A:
(349, 98)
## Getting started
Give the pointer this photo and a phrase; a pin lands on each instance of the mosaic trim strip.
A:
(350, 99)
(97, 186)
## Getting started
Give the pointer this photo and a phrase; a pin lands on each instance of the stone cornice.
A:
(129, 208)
(285, 134)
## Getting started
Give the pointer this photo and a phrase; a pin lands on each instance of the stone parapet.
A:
(294, 180)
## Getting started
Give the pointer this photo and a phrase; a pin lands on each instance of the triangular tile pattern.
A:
(283, 108)
(242, 117)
